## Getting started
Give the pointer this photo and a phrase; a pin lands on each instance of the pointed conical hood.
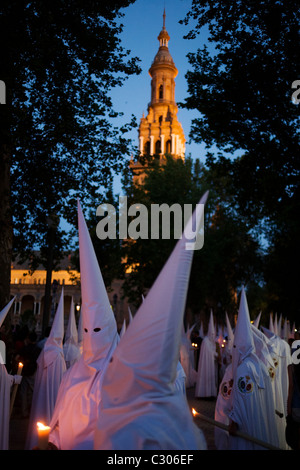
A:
(71, 332)
(98, 322)
(71, 347)
(230, 335)
(243, 344)
(279, 326)
(261, 347)
(257, 320)
(271, 324)
(56, 335)
(211, 333)
(5, 310)
(123, 329)
(130, 315)
(140, 407)
(201, 333)
(147, 356)
(275, 324)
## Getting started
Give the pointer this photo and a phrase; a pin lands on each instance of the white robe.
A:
(77, 407)
(151, 424)
(222, 409)
(6, 382)
(206, 385)
(185, 359)
(71, 352)
(252, 406)
(50, 369)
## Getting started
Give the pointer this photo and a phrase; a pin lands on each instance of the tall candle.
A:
(43, 435)
(14, 389)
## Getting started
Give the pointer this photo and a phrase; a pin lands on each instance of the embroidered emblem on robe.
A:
(245, 384)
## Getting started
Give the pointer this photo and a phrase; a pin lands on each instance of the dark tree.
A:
(229, 257)
(241, 84)
(59, 61)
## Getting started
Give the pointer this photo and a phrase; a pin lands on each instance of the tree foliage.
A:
(241, 84)
(229, 257)
(59, 61)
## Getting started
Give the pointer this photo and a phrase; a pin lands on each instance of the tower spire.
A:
(164, 19)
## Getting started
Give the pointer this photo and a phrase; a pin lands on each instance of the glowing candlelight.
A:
(14, 389)
(194, 412)
(43, 435)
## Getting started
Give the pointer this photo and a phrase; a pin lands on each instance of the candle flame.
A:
(20, 364)
(42, 426)
(194, 412)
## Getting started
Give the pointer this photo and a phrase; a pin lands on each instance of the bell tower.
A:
(160, 132)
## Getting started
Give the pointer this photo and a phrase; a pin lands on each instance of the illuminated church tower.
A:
(160, 132)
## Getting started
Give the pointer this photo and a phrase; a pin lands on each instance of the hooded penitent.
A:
(282, 358)
(50, 369)
(78, 403)
(252, 407)
(6, 381)
(206, 384)
(230, 336)
(264, 352)
(140, 407)
(243, 343)
(186, 359)
(98, 321)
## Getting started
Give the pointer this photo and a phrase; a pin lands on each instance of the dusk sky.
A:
(143, 22)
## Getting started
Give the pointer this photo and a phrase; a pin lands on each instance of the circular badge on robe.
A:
(226, 389)
(276, 362)
(245, 384)
(271, 372)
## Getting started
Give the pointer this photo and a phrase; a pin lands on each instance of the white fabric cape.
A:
(283, 359)
(222, 409)
(252, 404)
(266, 354)
(6, 381)
(71, 348)
(207, 374)
(51, 366)
(140, 408)
(253, 407)
(185, 359)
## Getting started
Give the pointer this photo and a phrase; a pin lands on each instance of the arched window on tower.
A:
(157, 147)
(168, 147)
(147, 148)
(161, 92)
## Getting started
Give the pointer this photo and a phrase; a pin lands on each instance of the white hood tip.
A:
(243, 343)
(56, 335)
(99, 328)
(5, 310)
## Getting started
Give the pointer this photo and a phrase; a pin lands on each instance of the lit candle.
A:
(14, 389)
(43, 435)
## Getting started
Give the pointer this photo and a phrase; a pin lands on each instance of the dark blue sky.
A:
(143, 22)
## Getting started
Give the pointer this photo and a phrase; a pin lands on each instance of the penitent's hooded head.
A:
(99, 329)
(5, 310)
(243, 344)
(146, 358)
